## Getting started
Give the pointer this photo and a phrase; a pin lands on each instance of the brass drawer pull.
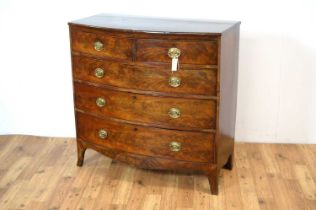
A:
(102, 134)
(98, 46)
(100, 102)
(174, 53)
(174, 81)
(174, 113)
(175, 146)
(99, 73)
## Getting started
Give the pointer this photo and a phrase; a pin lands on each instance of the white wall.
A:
(277, 91)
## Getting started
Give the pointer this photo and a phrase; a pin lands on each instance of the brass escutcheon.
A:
(175, 146)
(174, 81)
(102, 134)
(98, 46)
(99, 72)
(174, 52)
(174, 112)
(100, 102)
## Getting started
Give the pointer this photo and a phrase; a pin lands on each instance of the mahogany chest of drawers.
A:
(156, 93)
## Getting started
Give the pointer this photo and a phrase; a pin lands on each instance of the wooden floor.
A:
(41, 173)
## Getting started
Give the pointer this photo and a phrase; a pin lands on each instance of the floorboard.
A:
(41, 173)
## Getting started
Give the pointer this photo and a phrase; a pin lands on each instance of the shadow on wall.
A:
(276, 90)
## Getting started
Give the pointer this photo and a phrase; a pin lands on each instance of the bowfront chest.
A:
(156, 93)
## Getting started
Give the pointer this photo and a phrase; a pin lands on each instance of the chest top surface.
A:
(155, 25)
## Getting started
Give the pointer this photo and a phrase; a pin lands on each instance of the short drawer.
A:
(168, 112)
(156, 78)
(142, 140)
(192, 52)
(101, 45)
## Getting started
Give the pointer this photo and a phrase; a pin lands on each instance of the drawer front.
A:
(192, 52)
(180, 145)
(167, 112)
(145, 77)
(101, 45)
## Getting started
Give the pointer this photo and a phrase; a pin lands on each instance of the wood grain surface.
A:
(198, 114)
(40, 173)
(195, 146)
(194, 80)
(120, 48)
(192, 52)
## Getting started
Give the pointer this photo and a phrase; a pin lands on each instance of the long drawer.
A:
(168, 112)
(158, 78)
(142, 140)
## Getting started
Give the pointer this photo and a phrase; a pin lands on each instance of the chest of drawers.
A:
(131, 106)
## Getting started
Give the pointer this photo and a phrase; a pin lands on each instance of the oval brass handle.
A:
(99, 72)
(174, 52)
(98, 46)
(175, 146)
(174, 81)
(102, 134)
(174, 113)
(100, 102)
